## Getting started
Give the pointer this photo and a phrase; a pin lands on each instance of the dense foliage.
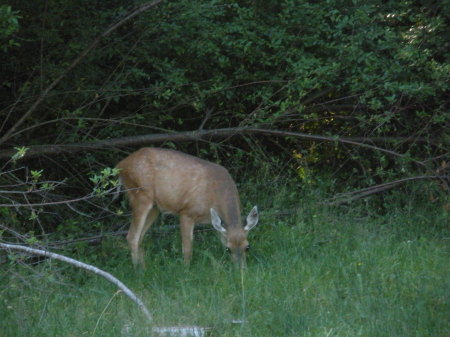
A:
(375, 72)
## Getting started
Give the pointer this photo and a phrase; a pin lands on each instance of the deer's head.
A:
(234, 236)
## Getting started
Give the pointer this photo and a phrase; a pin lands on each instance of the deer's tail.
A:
(118, 189)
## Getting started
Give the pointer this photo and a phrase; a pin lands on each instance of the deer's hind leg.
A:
(141, 207)
(151, 217)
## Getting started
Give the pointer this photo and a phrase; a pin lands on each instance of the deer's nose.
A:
(239, 258)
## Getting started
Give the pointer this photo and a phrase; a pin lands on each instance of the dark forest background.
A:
(351, 96)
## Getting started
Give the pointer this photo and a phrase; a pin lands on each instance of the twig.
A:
(50, 203)
(207, 116)
(86, 266)
(104, 310)
(62, 202)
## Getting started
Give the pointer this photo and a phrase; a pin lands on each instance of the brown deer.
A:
(159, 180)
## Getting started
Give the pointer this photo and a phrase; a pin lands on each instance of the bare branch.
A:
(62, 202)
(85, 266)
(50, 203)
(41, 150)
(207, 116)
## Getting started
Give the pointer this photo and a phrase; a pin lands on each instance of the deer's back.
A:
(181, 184)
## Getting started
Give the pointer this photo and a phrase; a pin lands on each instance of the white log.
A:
(82, 265)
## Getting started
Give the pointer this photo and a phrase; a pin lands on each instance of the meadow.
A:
(313, 270)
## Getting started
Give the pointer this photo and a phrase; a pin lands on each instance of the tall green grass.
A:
(313, 271)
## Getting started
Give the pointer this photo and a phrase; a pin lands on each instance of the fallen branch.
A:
(365, 192)
(42, 150)
(159, 231)
(82, 265)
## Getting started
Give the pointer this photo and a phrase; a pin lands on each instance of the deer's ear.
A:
(216, 222)
(252, 219)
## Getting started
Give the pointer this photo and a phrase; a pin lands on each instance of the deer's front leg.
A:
(187, 233)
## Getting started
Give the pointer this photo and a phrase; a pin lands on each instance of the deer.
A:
(198, 191)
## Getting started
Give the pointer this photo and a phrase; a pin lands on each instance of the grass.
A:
(317, 272)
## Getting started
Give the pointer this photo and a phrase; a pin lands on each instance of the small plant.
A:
(36, 175)
(21, 151)
(105, 181)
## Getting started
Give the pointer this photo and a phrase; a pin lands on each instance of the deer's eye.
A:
(247, 248)
(228, 249)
